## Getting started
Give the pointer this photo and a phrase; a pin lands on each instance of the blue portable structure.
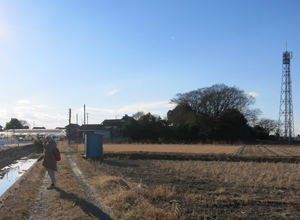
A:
(93, 145)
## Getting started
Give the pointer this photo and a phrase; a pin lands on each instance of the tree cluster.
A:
(15, 123)
(216, 113)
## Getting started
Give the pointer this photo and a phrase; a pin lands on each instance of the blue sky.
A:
(120, 57)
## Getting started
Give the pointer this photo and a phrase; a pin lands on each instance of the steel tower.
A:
(286, 116)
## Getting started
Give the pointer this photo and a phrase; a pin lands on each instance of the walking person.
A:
(49, 159)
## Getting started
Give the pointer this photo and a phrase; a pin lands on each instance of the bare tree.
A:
(270, 126)
(217, 100)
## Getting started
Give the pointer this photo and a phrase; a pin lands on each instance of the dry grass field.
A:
(199, 189)
(175, 148)
(208, 149)
(138, 188)
(269, 150)
(245, 150)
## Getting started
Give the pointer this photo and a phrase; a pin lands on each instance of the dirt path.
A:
(73, 189)
(39, 208)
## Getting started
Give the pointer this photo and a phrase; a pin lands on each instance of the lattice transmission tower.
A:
(286, 116)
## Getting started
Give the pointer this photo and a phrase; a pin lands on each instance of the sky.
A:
(119, 57)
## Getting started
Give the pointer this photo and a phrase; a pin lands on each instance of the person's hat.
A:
(50, 136)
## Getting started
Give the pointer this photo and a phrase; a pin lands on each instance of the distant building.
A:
(1, 128)
(109, 129)
(33, 133)
(38, 128)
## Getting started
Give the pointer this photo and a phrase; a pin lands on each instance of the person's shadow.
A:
(86, 206)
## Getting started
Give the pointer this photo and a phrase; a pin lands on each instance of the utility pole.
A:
(77, 129)
(87, 118)
(83, 121)
(69, 126)
(70, 116)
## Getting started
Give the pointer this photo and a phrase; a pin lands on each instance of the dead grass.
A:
(198, 189)
(245, 150)
(166, 189)
(128, 200)
(237, 175)
(244, 173)
(217, 149)
(223, 182)
(23, 197)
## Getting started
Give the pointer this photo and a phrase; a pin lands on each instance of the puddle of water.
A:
(10, 174)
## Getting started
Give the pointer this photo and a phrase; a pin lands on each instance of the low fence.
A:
(7, 156)
(5, 144)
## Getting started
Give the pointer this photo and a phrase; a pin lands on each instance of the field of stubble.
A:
(237, 187)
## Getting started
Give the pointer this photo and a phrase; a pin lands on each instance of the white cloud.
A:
(42, 115)
(173, 38)
(253, 94)
(112, 92)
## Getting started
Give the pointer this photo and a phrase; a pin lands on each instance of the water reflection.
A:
(10, 174)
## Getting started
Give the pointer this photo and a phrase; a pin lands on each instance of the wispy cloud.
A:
(112, 92)
(146, 107)
(173, 38)
(23, 102)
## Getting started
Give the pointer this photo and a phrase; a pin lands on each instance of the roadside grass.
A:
(23, 196)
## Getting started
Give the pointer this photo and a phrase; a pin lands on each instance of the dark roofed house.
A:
(72, 130)
(116, 122)
(60, 128)
(38, 128)
(96, 129)
(115, 126)
(109, 129)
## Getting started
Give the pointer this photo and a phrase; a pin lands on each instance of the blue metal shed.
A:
(93, 145)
